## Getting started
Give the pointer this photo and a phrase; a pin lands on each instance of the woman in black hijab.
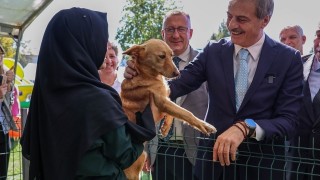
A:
(76, 128)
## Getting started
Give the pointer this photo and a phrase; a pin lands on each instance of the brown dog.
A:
(153, 61)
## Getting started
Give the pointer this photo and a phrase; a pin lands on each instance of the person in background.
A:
(253, 101)
(174, 157)
(76, 127)
(293, 36)
(6, 120)
(15, 110)
(108, 75)
(308, 134)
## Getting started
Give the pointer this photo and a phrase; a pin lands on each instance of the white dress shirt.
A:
(255, 51)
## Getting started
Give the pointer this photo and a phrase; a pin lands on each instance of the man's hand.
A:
(227, 144)
(130, 71)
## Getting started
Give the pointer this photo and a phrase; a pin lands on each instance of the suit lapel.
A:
(266, 59)
(315, 102)
(227, 64)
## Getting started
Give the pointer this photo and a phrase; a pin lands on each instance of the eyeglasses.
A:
(180, 29)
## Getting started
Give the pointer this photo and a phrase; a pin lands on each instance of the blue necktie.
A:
(241, 79)
(176, 61)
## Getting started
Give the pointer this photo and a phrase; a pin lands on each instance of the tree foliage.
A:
(142, 20)
(8, 45)
(222, 32)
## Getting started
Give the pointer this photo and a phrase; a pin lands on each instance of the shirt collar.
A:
(254, 50)
(185, 55)
(316, 64)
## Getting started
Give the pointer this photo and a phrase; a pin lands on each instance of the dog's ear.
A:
(134, 51)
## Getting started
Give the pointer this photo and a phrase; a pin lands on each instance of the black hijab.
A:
(70, 107)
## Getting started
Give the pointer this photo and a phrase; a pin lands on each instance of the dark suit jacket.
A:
(273, 105)
(309, 124)
(307, 155)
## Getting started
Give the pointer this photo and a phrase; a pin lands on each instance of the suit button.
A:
(315, 131)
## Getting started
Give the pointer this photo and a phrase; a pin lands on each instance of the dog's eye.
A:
(162, 56)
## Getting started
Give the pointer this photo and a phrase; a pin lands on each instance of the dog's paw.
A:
(206, 128)
(210, 129)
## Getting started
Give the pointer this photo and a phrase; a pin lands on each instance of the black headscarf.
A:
(70, 107)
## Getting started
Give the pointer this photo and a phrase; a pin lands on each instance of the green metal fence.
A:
(276, 157)
(285, 162)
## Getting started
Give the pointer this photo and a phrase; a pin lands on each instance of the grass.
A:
(15, 162)
(145, 176)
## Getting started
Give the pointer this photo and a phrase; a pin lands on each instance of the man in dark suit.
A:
(174, 157)
(308, 136)
(266, 115)
(255, 90)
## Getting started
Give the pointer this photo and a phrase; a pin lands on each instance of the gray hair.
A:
(263, 7)
(297, 28)
(114, 47)
(174, 13)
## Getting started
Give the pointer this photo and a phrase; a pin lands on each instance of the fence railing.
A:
(273, 158)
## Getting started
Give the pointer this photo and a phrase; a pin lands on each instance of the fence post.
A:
(25, 162)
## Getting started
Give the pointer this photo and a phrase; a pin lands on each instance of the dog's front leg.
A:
(167, 106)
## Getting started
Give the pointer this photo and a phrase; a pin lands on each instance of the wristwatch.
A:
(251, 125)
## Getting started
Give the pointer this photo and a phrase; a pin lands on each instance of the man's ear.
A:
(265, 21)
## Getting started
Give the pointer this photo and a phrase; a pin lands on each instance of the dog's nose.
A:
(176, 73)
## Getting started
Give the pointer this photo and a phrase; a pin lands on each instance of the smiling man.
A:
(253, 97)
(255, 93)
(167, 160)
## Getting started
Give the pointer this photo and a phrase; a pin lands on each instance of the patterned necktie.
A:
(241, 79)
(176, 61)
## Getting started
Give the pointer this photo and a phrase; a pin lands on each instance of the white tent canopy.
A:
(16, 16)
(30, 71)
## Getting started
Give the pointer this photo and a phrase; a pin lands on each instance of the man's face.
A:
(316, 42)
(316, 45)
(292, 38)
(244, 26)
(177, 33)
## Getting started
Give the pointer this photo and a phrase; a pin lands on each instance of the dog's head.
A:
(153, 57)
